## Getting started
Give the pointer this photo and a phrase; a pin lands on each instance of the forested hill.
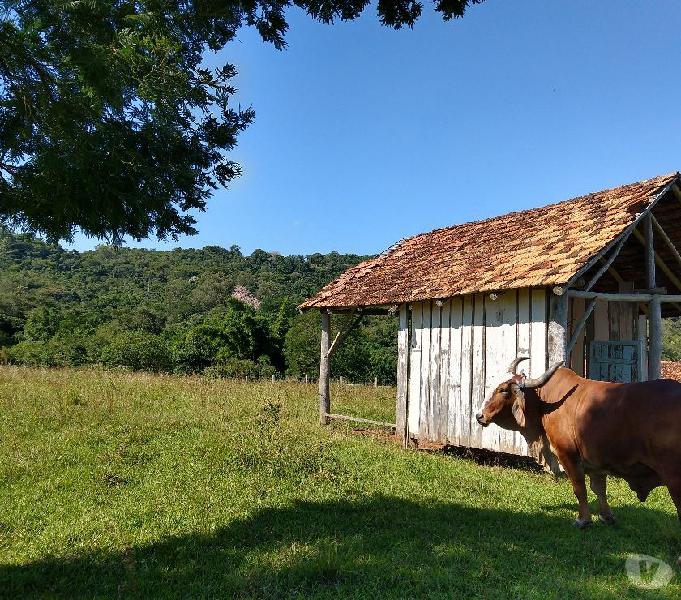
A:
(169, 286)
(180, 310)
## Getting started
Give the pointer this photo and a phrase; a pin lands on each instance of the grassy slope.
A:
(139, 485)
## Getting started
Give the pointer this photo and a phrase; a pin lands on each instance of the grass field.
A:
(128, 485)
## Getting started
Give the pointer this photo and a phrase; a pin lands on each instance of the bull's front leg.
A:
(575, 472)
(598, 486)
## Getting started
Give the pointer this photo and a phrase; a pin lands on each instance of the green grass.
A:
(128, 485)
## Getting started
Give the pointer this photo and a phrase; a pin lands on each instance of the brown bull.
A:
(631, 430)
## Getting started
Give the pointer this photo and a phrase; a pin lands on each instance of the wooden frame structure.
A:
(326, 351)
(654, 297)
(550, 324)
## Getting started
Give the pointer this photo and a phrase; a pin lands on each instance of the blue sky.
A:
(364, 135)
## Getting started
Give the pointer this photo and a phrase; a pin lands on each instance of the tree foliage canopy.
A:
(110, 122)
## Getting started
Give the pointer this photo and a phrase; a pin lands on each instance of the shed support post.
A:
(557, 341)
(655, 313)
(324, 393)
(650, 252)
(402, 376)
(654, 338)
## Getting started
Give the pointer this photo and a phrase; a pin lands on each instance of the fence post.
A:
(324, 395)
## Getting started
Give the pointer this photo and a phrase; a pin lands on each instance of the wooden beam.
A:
(352, 310)
(655, 306)
(654, 338)
(657, 260)
(666, 239)
(331, 416)
(648, 242)
(609, 261)
(402, 375)
(677, 192)
(579, 326)
(324, 371)
(365, 310)
(633, 297)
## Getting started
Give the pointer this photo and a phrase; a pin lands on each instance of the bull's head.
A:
(506, 406)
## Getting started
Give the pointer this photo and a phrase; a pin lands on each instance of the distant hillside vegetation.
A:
(211, 310)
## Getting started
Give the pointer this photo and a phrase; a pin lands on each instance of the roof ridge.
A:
(527, 210)
(547, 246)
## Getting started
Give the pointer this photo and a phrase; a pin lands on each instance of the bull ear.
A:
(518, 408)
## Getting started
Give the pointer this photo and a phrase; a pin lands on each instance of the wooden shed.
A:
(585, 282)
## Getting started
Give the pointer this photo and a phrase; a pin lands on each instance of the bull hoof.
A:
(582, 524)
(607, 519)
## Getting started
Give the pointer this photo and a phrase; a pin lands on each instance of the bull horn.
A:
(542, 379)
(514, 364)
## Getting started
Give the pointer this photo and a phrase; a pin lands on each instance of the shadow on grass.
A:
(377, 547)
(489, 458)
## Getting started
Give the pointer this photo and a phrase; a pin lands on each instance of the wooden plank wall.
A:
(402, 374)
(414, 385)
(459, 352)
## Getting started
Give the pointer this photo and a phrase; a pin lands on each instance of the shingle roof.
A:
(538, 247)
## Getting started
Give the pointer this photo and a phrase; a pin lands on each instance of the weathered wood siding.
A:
(459, 351)
(402, 374)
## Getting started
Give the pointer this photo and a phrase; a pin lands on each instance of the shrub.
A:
(239, 368)
(232, 335)
(196, 350)
(55, 352)
(138, 350)
(41, 324)
(301, 345)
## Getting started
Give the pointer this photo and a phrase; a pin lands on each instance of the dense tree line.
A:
(213, 311)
